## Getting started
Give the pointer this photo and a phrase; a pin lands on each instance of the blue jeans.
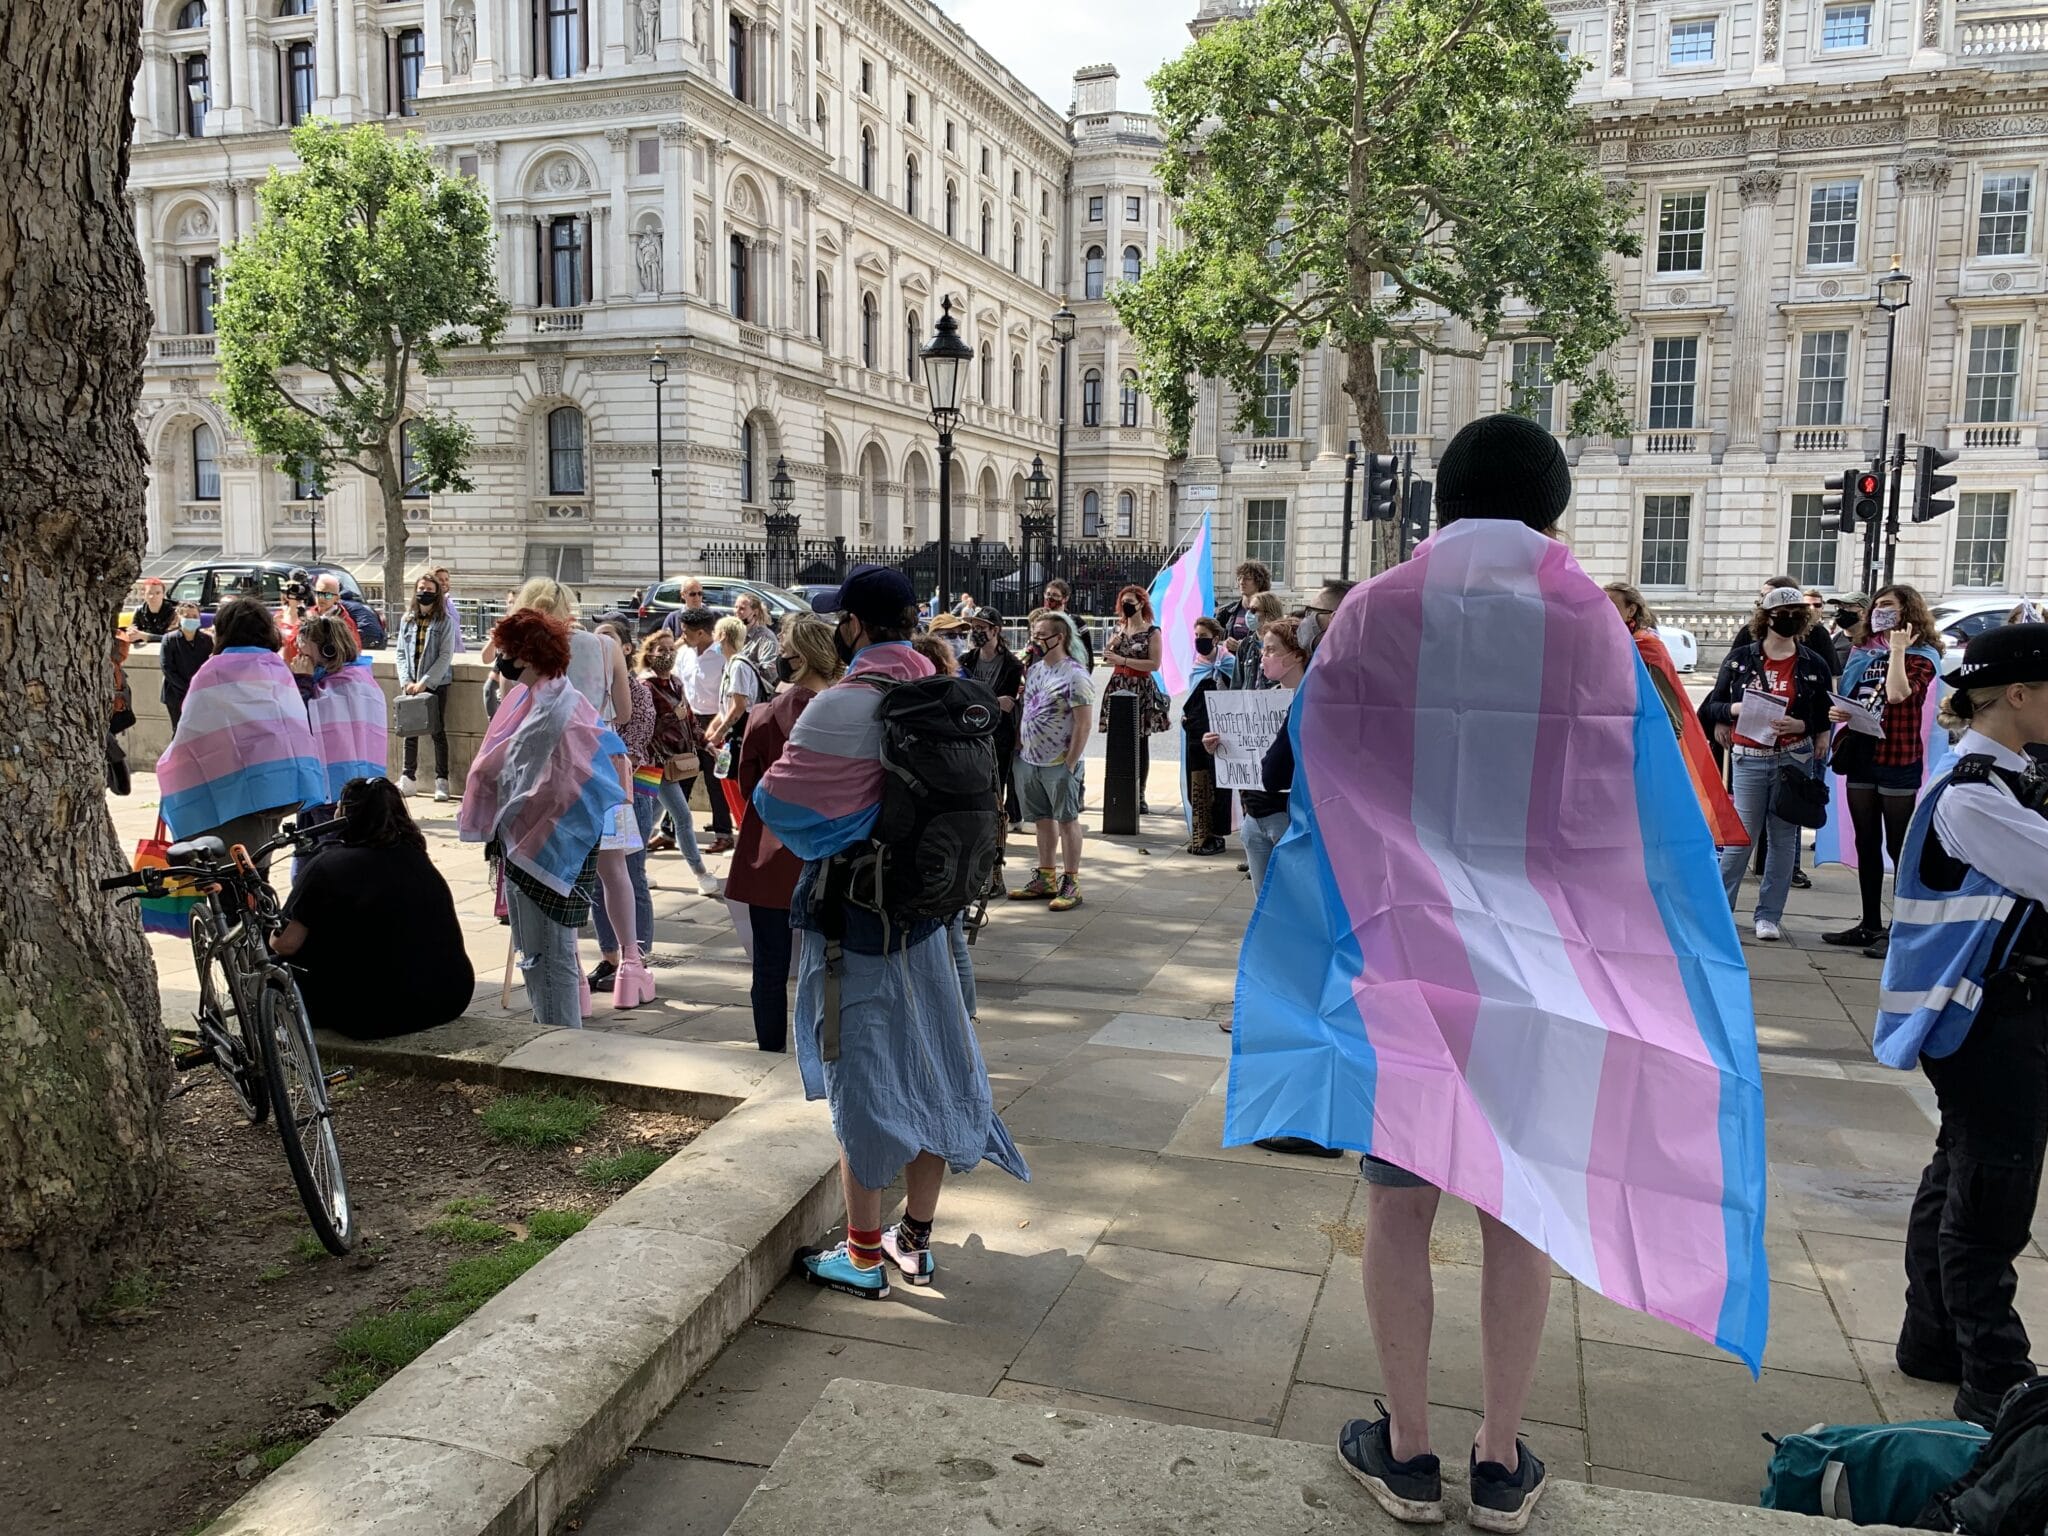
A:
(956, 937)
(547, 959)
(1259, 834)
(1755, 778)
(643, 899)
(675, 799)
(773, 941)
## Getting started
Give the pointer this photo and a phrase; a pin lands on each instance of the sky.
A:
(1044, 41)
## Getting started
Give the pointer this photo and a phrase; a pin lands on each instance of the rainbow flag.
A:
(1182, 593)
(1835, 843)
(243, 745)
(348, 715)
(647, 781)
(1493, 947)
(543, 784)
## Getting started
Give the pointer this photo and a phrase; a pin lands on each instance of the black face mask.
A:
(1789, 622)
(1130, 609)
(785, 669)
(1846, 621)
(509, 668)
(425, 599)
(843, 646)
(1204, 646)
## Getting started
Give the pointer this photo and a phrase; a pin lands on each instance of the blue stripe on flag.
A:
(808, 834)
(283, 784)
(1685, 883)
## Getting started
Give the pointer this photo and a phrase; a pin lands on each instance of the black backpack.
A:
(2005, 1492)
(938, 837)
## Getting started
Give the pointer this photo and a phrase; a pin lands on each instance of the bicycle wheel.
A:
(299, 1090)
(219, 1012)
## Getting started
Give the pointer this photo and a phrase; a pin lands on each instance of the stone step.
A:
(933, 1461)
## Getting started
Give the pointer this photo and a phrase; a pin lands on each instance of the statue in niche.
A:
(701, 24)
(647, 254)
(461, 39)
(646, 27)
(700, 243)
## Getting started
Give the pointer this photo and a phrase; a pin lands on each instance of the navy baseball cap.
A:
(874, 594)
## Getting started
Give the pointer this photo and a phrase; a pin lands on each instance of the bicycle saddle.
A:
(197, 850)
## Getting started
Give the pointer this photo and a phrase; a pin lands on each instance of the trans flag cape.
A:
(1493, 947)
(347, 713)
(1724, 822)
(242, 745)
(1835, 843)
(543, 783)
(1181, 594)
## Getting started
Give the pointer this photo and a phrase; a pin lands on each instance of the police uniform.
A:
(1965, 995)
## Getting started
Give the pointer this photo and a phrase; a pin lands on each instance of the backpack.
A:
(2005, 1490)
(938, 835)
(1870, 1474)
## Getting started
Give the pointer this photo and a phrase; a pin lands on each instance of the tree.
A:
(84, 1066)
(366, 263)
(1363, 170)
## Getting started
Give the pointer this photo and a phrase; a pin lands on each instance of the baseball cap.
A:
(874, 594)
(1784, 597)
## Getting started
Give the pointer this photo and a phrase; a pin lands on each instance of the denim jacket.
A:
(1743, 668)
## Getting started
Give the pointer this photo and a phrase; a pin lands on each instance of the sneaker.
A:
(1768, 932)
(1041, 888)
(602, 977)
(709, 884)
(1879, 947)
(440, 789)
(1801, 881)
(1412, 1491)
(1852, 938)
(1069, 896)
(835, 1270)
(407, 784)
(904, 1252)
(1504, 1500)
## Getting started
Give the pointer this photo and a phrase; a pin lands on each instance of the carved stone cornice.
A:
(675, 133)
(617, 137)
(1923, 173)
(487, 150)
(578, 109)
(1760, 184)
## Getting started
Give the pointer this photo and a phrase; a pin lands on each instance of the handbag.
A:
(170, 913)
(416, 714)
(119, 780)
(1800, 797)
(680, 769)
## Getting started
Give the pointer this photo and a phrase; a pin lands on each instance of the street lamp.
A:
(781, 489)
(782, 524)
(1036, 523)
(657, 375)
(945, 359)
(1063, 333)
(1894, 293)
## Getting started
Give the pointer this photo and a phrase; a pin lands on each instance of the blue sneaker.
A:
(834, 1269)
(1412, 1491)
(1503, 1499)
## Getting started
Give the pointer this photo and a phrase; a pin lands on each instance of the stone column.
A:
(220, 71)
(1332, 403)
(608, 45)
(603, 248)
(675, 181)
(488, 67)
(242, 62)
(245, 207)
(1922, 180)
(149, 95)
(348, 39)
(621, 282)
(325, 48)
(1759, 187)
(434, 67)
(808, 298)
(143, 203)
(715, 259)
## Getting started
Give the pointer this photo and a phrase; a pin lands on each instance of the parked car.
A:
(811, 591)
(1962, 619)
(211, 585)
(1683, 646)
(721, 595)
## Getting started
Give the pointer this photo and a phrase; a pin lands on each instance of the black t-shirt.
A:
(383, 952)
(155, 625)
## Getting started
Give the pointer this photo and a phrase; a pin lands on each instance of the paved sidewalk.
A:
(1145, 1271)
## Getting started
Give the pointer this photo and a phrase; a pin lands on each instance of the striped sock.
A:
(864, 1248)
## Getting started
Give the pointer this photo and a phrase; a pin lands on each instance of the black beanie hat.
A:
(1503, 466)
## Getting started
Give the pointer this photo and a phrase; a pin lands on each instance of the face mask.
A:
(425, 599)
(1847, 621)
(661, 663)
(786, 669)
(962, 648)
(189, 626)
(1882, 619)
(1311, 626)
(843, 646)
(1790, 622)
(509, 668)
(1130, 609)
(1204, 646)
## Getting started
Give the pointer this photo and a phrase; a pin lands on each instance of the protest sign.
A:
(1247, 720)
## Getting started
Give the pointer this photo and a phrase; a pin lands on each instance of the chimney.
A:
(1095, 90)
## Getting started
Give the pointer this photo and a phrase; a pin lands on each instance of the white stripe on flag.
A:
(1967, 994)
(1960, 909)
(1538, 1042)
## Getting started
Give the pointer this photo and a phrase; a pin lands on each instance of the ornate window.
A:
(1017, 249)
(824, 299)
(1044, 393)
(565, 452)
(305, 477)
(1275, 399)
(202, 297)
(869, 320)
(563, 38)
(191, 15)
(410, 471)
(867, 160)
(736, 57)
(741, 256)
(301, 83)
(1134, 263)
(1992, 374)
(913, 338)
(1823, 380)
(412, 62)
(1401, 391)
(1667, 541)
(1127, 399)
(1017, 382)
(747, 462)
(1045, 265)
(1831, 211)
(1091, 273)
(1091, 398)
(1091, 515)
(294, 7)
(988, 375)
(566, 253)
(2004, 207)
(910, 185)
(1674, 382)
(197, 79)
(1843, 27)
(205, 464)
(1682, 232)
(988, 220)
(1533, 392)
(1126, 514)
(952, 207)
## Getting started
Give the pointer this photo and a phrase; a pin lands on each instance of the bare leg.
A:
(1514, 1293)
(921, 1181)
(1048, 833)
(1400, 1301)
(863, 1205)
(1070, 847)
(618, 901)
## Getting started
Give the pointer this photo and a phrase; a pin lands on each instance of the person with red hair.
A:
(1137, 652)
(540, 795)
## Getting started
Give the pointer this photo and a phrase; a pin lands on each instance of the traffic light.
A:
(1415, 522)
(1837, 506)
(1382, 486)
(1869, 488)
(1928, 503)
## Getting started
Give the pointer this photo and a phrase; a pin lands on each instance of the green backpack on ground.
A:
(1869, 1474)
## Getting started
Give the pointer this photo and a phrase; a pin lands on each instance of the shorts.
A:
(1049, 794)
(1885, 778)
(1389, 1175)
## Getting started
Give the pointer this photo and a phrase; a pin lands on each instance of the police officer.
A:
(1965, 994)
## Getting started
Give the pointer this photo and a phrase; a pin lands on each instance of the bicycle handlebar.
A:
(232, 869)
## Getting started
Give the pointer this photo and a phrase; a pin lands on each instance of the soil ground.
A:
(206, 1364)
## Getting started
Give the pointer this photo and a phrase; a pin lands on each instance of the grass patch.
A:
(623, 1171)
(470, 1205)
(271, 1457)
(308, 1249)
(275, 1273)
(466, 1230)
(553, 1226)
(132, 1294)
(540, 1119)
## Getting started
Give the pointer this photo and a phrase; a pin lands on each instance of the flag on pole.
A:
(1180, 595)
(1493, 947)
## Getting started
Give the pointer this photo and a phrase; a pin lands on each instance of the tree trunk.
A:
(392, 490)
(1362, 386)
(84, 1067)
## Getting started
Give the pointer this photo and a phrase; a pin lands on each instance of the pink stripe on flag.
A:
(202, 759)
(1585, 857)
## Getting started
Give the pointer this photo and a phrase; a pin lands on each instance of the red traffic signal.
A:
(1866, 484)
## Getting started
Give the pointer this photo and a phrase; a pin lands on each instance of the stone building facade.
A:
(776, 194)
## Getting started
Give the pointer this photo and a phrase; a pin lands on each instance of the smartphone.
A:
(1882, 619)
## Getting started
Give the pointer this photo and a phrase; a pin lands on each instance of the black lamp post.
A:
(1063, 333)
(657, 375)
(1894, 293)
(1037, 525)
(945, 359)
(782, 524)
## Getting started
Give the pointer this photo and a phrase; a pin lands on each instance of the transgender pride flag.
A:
(543, 783)
(1493, 947)
(242, 745)
(346, 712)
(1181, 594)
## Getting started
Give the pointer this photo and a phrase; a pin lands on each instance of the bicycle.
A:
(251, 1018)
